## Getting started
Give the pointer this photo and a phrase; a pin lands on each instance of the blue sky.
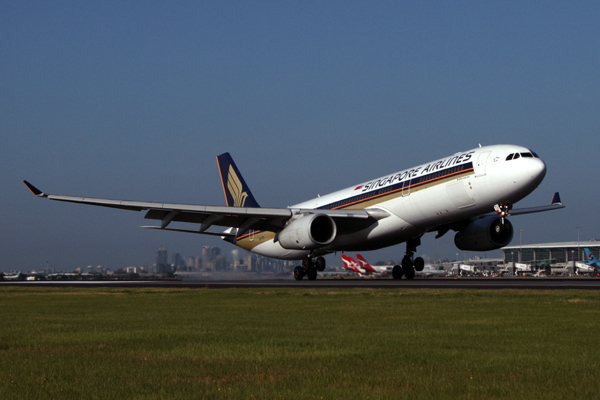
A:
(133, 100)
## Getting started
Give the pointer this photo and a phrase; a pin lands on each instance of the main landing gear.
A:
(309, 268)
(409, 266)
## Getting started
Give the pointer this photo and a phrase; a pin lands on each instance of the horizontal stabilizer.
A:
(555, 204)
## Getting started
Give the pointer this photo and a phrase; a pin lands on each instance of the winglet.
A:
(555, 199)
(37, 192)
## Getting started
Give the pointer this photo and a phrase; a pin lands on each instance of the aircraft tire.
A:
(312, 274)
(298, 273)
(307, 265)
(397, 272)
(320, 264)
(409, 271)
(419, 264)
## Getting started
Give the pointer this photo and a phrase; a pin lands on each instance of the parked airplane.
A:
(352, 265)
(430, 271)
(459, 192)
(591, 258)
(583, 267)
(374, 269)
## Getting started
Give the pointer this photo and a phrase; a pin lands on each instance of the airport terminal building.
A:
(561, 255)
(553, 258)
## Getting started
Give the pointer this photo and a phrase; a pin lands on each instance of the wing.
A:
(242, 218)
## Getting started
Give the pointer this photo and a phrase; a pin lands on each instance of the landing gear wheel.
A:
(307, 264)
(298, 273)
(320, 264)
(409, 272)
(419, 264)
(312, 274)
(407, 268)
(397, 272)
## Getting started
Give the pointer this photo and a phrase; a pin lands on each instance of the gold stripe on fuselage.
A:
(253, 239)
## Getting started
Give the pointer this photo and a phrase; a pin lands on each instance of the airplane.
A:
(352, 265)
(591, 258)
(583, 267)
(590, 265)
(374, 269)
(470, 192)
(430, 271)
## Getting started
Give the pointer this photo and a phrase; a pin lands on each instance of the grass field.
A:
(298, 344)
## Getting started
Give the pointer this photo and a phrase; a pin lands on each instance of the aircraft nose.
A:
(536, 169)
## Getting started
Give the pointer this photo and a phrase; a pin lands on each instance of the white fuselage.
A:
(421, 198)
(430, 270)
(582, 267)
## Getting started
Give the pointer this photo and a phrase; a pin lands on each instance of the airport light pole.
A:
(520, 258)
(457, 265)
(512, 261)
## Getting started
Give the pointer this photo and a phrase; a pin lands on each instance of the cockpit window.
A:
(514, 156)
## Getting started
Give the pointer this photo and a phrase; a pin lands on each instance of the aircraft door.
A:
(406, 188)
(481, 163)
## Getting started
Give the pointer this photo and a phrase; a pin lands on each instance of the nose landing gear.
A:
(503, 210)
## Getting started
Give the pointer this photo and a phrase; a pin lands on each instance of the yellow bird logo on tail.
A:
(235, 188)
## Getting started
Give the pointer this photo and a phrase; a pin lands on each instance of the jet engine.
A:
(484, 234)
(309, 232)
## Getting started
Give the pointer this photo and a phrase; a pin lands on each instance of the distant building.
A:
(161, 256)
(177, 262)
(563, 254)
(162, 266)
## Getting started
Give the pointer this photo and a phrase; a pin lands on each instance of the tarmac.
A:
(430, 283)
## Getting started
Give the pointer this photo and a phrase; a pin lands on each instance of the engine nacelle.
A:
(484, 234)
(308, 232)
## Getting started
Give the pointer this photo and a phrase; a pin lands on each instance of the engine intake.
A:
(484, 234)
(308, 232)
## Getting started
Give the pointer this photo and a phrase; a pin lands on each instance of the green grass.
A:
(298, 344)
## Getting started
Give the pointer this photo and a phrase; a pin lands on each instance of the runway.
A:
(434, 283)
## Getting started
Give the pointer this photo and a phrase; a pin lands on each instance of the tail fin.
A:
(363, 263)
(591, 258)
(350, 264)
(237, 193)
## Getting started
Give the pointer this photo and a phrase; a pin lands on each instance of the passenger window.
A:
(510, 157)
(528, 155)
(516, 156)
